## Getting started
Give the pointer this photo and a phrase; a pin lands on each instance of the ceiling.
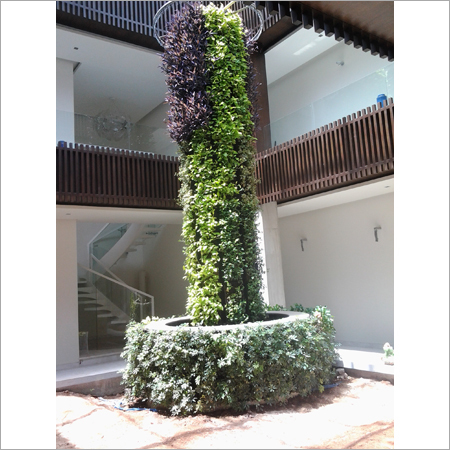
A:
(291, 53)
(104, 214)
(373, 17)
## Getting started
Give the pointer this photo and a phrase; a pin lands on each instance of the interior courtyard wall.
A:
(343, 267)
(129, 266)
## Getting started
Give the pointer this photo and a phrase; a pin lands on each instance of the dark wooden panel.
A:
(349, 151)
(97, 176)
(373, 17)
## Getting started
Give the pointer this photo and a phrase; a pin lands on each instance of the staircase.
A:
(110, 247)
(105, 302)
(145, 235)
(111, 319)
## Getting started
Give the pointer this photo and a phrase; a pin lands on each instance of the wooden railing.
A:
(349, 151)
(135, 16)
(97, 176)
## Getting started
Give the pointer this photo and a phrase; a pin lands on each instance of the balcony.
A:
(98, 176)
(349, 151)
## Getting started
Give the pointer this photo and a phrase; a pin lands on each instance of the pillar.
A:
(272, 254)
(65, 118)
(66, 293)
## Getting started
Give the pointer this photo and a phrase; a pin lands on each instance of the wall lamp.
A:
(375, 231)
(301, 242)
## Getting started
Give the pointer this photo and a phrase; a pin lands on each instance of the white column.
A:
(66, 293)
(272, 253)
(65, 120)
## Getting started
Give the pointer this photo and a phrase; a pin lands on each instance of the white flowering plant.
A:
(388, 350)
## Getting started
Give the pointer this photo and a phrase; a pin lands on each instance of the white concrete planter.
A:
(275, 317)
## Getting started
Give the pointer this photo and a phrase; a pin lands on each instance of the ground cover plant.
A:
(212, 118)
(186, 371)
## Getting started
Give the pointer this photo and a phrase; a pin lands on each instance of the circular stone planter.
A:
(274, 317)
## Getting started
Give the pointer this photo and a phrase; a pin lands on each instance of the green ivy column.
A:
(218, 191)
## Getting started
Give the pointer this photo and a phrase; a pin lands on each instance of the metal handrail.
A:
(121, 283)
(169, 4)
(105, 269)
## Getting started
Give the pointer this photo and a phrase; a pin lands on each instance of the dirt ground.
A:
(357, 414)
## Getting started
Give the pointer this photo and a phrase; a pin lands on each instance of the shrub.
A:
(187, 371)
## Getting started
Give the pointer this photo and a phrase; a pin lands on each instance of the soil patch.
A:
(358, 413)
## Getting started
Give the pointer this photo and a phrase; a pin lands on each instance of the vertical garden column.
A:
(211, 117)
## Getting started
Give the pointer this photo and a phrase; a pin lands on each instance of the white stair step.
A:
(112, 332)
(118, 321)
(88, 302)
(106, 315)
(86, 290)
(96, 309)
(93, 296)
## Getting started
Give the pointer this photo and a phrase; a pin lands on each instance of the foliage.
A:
(189, 371)
(206, 61)
(184, 64)
(388, 350)
(295, 307)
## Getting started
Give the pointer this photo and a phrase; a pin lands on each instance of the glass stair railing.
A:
(106, 239)
(105, 307)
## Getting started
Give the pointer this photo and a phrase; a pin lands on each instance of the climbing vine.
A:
(211, 117)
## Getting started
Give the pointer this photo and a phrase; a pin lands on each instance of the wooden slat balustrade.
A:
(133, 16)
(349, 151)
(98, 176)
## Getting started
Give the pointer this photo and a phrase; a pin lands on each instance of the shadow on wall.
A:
(165, 268)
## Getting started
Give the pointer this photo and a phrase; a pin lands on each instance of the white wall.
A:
(66, 293)
(85, 233)
(64, 101)
(128, 267)
(165, 268)
(159, 140)
(321, 91)
(343, 268)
